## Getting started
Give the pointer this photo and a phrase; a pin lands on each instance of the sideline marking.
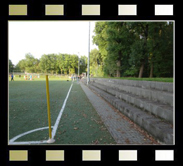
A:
(53, 131)
(60, 114)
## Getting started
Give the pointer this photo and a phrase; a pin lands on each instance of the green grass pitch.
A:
(79, 124)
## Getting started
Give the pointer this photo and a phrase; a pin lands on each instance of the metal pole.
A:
(48, 105)
(88, 73)
(48, 108)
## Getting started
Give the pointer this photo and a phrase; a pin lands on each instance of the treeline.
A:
(135, 49)
(51, 63)
(138, 49)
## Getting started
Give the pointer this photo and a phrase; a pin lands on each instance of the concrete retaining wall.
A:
(149, 104)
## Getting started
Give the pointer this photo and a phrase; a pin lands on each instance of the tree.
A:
(11, 66)
(29, 64)
(161, 49)
(141, 30)
(67, 63)
(45, 63)
(137, 57)
(83, 64)
(96, 63)
(60, 62)
(154, 44)
(118, 47)
(53, 64)
(74, 64)
(100, 38)
(113, 40)
(135, 48)
(21, 65)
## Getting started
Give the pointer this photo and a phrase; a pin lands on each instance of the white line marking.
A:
(60, 114)
(28, 132)
(53, 131)
(29, 142)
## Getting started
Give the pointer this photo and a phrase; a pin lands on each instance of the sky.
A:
(46, 37)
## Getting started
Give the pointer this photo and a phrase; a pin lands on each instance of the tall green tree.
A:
(53, 63)
(119, 41)
(135, 48)
(60, 62)
(67, 69)
(161, 49)
(11, 66)
(21, 65)
(45, 63)
(100, 38)
(30, 61)
(96, 63)
(141, 30)
(83, 64)
(74, 64)
(28, 64)
(48, 63)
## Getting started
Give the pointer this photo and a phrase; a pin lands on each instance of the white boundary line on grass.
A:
(11, 142)
(60, 114)
(28, 132)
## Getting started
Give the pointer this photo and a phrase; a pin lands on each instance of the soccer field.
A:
(79, 123)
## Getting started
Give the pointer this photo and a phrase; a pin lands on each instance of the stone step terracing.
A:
(147, 91)
(163, 86)
(153, 107)
(154, 116)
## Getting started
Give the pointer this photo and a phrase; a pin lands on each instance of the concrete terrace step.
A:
(160, 130)
(161, 110)
(151, 94)
(162, 86)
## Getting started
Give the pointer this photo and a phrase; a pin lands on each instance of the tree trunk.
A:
(141, 70)
(118, 74)
(144, 51)
(151, 71)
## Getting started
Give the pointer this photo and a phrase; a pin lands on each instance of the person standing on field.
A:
(12, 77)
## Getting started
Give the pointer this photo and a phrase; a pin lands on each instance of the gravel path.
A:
(123, 130)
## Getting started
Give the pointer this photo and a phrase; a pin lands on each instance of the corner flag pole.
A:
(51, 140)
